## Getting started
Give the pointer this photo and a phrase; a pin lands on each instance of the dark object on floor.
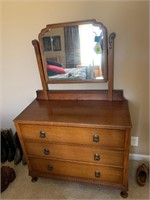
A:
(141, 174)
(4, 149)
(18, 152)
(11, 147)
(7, 176)
(9, 140)
(23, 161)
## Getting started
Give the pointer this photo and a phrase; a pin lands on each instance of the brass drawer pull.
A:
(96, 156)
(97, 174)
(42, 134)
(50, 167)
(46, 151)
(95, 138)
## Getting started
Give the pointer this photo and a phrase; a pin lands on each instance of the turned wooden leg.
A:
(34, 179)
(124, 194)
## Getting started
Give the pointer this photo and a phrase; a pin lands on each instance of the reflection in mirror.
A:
(75, 53)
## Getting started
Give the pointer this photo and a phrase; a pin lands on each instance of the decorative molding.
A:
(139, 157)
(111, 39)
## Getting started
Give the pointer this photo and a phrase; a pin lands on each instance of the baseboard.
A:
(139, 157)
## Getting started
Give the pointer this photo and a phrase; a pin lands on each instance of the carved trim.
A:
(57, 25)
(111, 40)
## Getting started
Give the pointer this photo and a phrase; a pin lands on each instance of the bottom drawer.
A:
(80, 170)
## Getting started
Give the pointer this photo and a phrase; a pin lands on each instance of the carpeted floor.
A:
(23, 188)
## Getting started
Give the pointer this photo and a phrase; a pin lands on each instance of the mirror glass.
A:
(74, 52)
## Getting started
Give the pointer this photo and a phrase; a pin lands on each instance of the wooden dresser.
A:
(78, 140)
(79, 135)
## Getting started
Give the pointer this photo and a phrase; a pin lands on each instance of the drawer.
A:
(72, 169)
(78, 153)
(76, 135)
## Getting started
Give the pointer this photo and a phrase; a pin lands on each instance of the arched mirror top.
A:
(74, 52)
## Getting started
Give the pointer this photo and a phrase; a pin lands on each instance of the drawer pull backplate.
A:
(96, 156)
(50, 167)
(46, 151)
(97, 174)
(42, 134)
(95, 138)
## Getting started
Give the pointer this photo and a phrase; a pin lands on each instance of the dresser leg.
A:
(34, 179)
(124, 194)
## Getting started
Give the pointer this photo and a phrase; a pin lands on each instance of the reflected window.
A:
(90, 45)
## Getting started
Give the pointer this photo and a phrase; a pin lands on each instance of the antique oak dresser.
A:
(80, 135)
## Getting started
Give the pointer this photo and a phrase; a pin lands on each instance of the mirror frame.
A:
(67, 24)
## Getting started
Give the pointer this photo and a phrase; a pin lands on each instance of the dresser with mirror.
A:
(77, 135)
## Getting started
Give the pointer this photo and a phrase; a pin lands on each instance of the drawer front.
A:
(78, 153)
(75, 135)
(87, 171)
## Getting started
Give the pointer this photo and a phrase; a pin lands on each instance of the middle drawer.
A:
(78, 153)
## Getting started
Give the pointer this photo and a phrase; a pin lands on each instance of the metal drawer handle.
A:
(42, 134)
(46, 151)
(96, 156)
(97, 174)
(95, 138)
(50, 167)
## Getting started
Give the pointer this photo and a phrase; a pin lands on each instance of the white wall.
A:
(22, 21)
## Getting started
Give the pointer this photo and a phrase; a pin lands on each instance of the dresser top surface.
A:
(105, 114)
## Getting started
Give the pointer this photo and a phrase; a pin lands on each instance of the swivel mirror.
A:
(74, 52)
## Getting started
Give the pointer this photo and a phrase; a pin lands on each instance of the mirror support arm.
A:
(44, 93)
(111, 65)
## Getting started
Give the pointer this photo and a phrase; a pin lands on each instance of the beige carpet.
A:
(23, 188)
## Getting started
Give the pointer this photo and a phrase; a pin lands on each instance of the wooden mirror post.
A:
(111, 65)
(41, 94)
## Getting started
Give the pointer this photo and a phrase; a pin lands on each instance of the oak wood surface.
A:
(100, 114)
(111, 66)
(74, 169)
(40, 67)
(117, 95)
(74, 135)
(69, 127)
(76, 153)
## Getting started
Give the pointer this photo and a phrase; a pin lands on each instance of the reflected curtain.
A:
(72, 46)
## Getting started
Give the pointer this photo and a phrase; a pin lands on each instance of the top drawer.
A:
(74, 135)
